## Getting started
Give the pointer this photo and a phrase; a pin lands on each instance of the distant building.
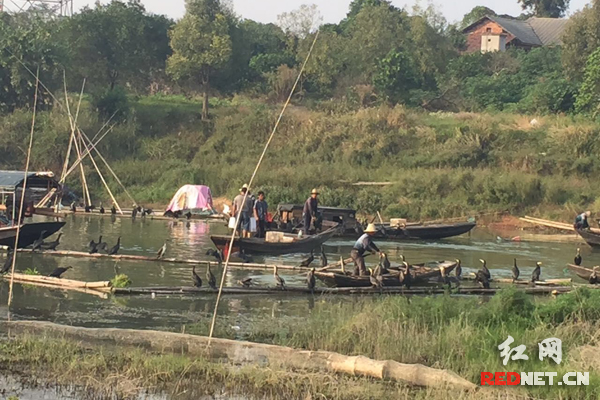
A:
(498, 33)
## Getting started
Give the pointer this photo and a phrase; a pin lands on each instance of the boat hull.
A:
(425, 232)
(260, 246)
(582, 272)
(29, 233)
(419, 272)
(591, 238)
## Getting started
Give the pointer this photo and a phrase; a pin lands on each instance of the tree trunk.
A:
(206, 88)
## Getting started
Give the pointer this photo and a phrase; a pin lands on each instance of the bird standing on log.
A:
(37, 245)
(113, 210)
(307, 261)
(196, 278)
(57, 273)
(482, 279)
(485, 270)
(210, 278)
(7, 262)
(93, 246)
(376, 283)
(52, 245)
(515, 271)
(310, 280)
(102, 211)
(279, 280)
(323, 258)
(384, 263)
(161, 252)
(407, 281)
(535, 275)
(115, 249)
(593, 279)
(218, 255)
(246, 282)
(458, 269)
(578, 258)
(73, 208)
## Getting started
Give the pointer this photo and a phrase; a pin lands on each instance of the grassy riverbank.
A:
(440, 165)
(459, 334)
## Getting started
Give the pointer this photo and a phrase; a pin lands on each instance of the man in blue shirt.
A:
(581, 221)
(362, 245)
(260, 213)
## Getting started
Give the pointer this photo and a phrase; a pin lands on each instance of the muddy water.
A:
(239, 313)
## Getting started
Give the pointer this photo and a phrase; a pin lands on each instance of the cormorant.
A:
(593, 279)
(407, 275)
(113, 210)
(444, 276)
(386, 262)
(101, 245)
(102, 211)
(93, 246)
(376, 282)
(578, 257)
(115, 249)
(87, 208)
(7, 262)
(246, 282)
(535, 276)
(482, 279)
(307, 261)
(215, 253)
(73, 208)
(59, 271)
(197, 279)
(161, 252)
(310, 280)
(52, 245)
(458, 269)
(37, 245)
(210, 278)
(323, 258)
(188, 215)
(515, 271)
(134, 213)
(279, 280)
(485, 270)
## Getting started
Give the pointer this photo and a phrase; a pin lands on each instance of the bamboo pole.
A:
(94, 292)
(242, 352)
(100, 286)
(87, 152)
(550, 224)
(547, 282)
(86, 192)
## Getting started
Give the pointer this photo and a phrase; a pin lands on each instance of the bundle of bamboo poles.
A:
(101, 289)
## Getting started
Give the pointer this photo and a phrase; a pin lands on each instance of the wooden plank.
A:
(101, 286)
(94, 292)
(546, 282)
(550, 224)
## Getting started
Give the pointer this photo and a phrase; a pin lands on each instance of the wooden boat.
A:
(420, 273)
(29, 233)
(582, 272)
(261, 246)
(424, 232)
(590, 237)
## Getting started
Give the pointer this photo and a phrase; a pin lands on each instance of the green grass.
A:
(442, 164)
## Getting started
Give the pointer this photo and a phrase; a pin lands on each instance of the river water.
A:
(237, 313)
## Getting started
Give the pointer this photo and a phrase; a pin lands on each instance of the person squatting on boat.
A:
(362, 245)
(581, 221)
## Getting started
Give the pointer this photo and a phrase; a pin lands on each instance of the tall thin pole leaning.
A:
(14, 256)
(260, 160)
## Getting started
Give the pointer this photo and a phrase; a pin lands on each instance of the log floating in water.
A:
(81, 254)
(102, 293)
(547, 282)
(100, 286)
(248, 352)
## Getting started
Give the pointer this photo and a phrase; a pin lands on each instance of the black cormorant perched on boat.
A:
(535, 276)
(384, 263)
(57, 273)
(87, 208)
(323, 258)
(578, 258)
(307, 261)
(210, 278)
(376, 283)
(197, 279)
(113, 210)
(37, 245)
(593, 279)
(52, 245)
(310, 280)
(161, 251)
(102, 211)
(7, 262)
(115, 249)
(279, 280)
(515, 271)
(407, 275)
(482, 279)
(246, 282)
(485, 269)
(458, 269)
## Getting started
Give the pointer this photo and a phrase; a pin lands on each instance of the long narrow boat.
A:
(261, 246)
(582, 272)
(419, 272)
(30, 232)
(591, 238)
(424, 232)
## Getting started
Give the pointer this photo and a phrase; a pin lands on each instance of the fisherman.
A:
(309, 213)
(246, 208)
(260, 213)
(581, 221)
(362, 245)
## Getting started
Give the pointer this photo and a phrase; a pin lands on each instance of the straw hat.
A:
(314, 191)
(245, 186)
(371, 229)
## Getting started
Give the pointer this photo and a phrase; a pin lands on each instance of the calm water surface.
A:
(238, 313)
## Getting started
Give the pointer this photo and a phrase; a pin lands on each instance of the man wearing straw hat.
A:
(362, 245)
(309, 213)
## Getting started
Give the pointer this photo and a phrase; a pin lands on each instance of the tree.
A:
(397, 76)
(475, 15)
(116, 43)
(581, 38)
(201, 44)
(588, 98)
(546, 8)
(301, 22)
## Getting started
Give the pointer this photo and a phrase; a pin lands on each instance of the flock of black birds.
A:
(137, 210)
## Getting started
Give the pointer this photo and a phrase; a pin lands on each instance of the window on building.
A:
(488, 30)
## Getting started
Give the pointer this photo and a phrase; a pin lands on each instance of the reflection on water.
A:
(238, 313)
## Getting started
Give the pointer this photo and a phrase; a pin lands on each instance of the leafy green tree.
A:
(396, 76)
(116, 43)
(201, 44)
(546, 8)
(301, 22)
(588, 99)
(475, 15)
(581, 38)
